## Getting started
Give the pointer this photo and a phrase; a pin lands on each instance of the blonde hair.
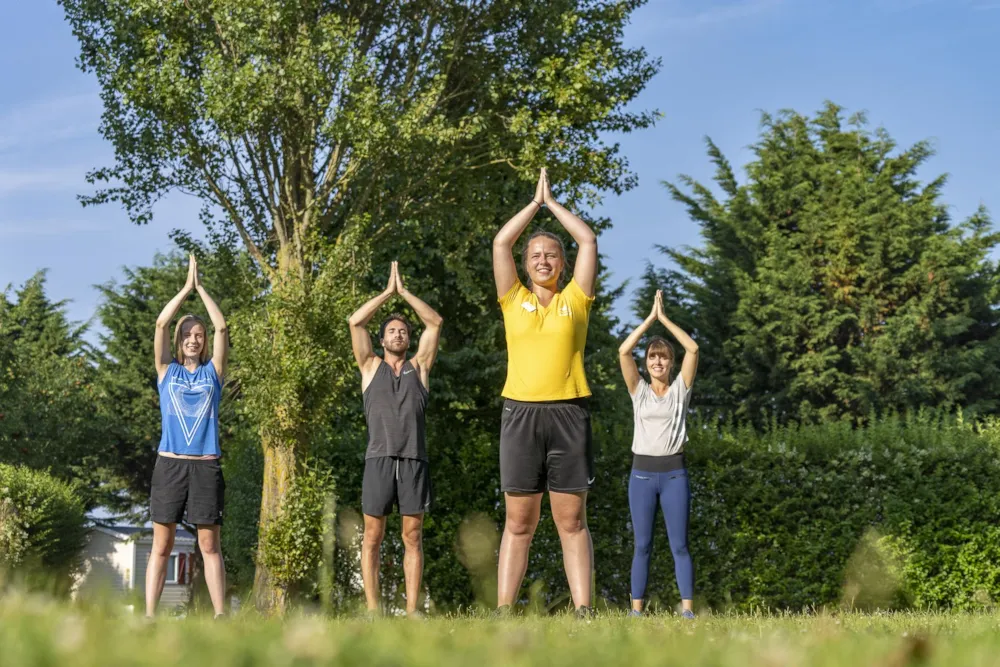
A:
(179, 342)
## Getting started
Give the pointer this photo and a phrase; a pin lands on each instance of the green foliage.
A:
(47, 391)
(42, 528)
(831, 283)
(293, 545)
(242, 466)
(795, 517)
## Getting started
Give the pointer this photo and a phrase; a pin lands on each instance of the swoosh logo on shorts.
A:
(591, 480)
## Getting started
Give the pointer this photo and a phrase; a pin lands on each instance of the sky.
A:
(923, 69)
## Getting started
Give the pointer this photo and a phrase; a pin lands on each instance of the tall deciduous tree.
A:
(319, 130)
(831, 283)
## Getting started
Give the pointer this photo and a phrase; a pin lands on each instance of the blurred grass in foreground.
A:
(38, 631)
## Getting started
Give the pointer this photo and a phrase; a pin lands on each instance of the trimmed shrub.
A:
(902, 513)
(42, 528)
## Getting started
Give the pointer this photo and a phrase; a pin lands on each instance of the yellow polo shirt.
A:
(545, 345)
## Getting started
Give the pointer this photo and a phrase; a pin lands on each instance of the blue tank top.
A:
(189, 406)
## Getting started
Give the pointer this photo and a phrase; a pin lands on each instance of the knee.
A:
(373, 538)
(520, 526)
(163, 549)
(209, 545)
(643, 546)
(413, 539)
(680, 550)
(571, 525)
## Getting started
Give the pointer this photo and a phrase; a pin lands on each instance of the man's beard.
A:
(396, 348)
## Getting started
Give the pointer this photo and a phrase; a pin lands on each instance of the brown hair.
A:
(179, 342)
(548, 235)
(392, 318)
(659, 344)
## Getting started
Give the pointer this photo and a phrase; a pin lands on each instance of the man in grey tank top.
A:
(394, 389)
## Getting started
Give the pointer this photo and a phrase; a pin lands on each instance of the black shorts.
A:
(546, 446)
(391, 480)
(187, 487)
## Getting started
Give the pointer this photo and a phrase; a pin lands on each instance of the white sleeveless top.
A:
(660, 422)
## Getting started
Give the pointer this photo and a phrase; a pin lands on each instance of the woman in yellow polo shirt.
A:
(545, 440)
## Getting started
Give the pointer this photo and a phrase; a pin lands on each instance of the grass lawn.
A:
(37, 631)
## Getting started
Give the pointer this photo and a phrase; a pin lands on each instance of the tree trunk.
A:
(279, 469)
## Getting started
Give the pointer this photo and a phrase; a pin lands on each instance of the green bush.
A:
(902, 513)
(294, 545)
(42, 528)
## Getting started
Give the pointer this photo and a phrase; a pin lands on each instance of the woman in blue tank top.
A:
(187, 478)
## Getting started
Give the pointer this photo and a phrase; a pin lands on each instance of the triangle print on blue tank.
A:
(189, 407)
(191, 403)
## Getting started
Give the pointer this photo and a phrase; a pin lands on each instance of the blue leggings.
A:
(671, 490)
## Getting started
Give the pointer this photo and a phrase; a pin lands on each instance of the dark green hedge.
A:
(42, 529)
(900, 513)
(897, 514)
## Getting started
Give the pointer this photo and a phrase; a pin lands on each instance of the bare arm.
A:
(625, 359)
(361, 341)
(428, 348)
(504, 268)
(689, 367)
(162, 353)
(585, 269)
(220, 341)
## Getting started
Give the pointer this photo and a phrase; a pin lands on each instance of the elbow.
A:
(223, 330)
(437, 321)
(693, 349)
(624, 351)
(500, 244)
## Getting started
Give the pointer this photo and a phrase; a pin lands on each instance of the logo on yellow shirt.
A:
(528, 306)
(564, 310)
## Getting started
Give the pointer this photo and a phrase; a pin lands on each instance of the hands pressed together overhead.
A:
(543, 190)
(395, 285)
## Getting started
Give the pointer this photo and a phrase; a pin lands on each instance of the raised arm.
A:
(625, 359)
(220, 341)
(504, 268)
(162, 353)
(689, 367)
(585, 269)
(428, 348)
(361, 341)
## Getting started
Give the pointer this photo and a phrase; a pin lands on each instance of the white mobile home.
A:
(115, 560)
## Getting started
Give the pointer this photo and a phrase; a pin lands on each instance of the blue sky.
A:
(924, 69)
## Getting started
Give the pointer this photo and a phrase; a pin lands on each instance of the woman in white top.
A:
(658, 474)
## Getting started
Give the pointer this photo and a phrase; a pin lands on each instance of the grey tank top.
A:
(660, 427)
(394, 411)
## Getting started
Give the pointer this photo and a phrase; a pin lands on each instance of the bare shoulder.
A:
(368, 372)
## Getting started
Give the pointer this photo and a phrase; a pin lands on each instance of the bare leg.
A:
(523, 510)
(413, 558)
(215, 568)
(569, 510)
(370, 546)
(156, 568)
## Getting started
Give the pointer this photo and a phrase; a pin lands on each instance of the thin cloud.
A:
(14, 229)
(44, 122)
(17, 181)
